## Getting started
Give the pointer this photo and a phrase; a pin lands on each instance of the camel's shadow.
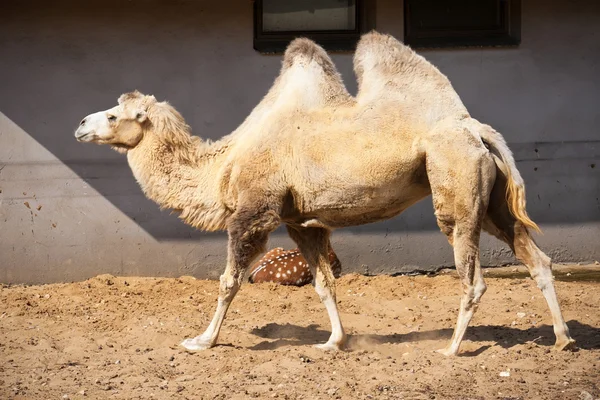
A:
(587, 336)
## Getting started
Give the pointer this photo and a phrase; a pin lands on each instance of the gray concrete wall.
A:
(70, 211)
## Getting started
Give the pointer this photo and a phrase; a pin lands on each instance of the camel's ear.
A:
(141, 116)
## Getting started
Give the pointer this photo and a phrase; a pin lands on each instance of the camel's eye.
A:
(112, 118)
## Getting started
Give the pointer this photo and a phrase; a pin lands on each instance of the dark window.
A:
(455, 23)
(334, 24)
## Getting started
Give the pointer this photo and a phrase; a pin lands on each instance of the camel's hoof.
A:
(446, 352)
(196, 344)
(329, 346)
(568, 344)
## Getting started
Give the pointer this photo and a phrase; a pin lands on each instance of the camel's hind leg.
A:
(464, 236)
(248, 234)
(314, 246)
(461, 182)
(502, 224)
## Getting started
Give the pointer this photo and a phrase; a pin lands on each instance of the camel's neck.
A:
(183, 178)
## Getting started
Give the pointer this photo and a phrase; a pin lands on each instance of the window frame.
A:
(508, 34)
(331, 40)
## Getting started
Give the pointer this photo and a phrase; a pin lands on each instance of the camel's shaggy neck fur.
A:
(179, 171)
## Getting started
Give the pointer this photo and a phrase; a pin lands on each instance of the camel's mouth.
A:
(84, 136)
(91, 137)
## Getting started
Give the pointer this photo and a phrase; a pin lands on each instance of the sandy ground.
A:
(114, 337)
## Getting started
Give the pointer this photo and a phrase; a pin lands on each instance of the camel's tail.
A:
(515, 187)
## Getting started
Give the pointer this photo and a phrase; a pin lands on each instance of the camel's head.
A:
(122, 126)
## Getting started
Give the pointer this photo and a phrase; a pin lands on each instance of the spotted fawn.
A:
(287, 267)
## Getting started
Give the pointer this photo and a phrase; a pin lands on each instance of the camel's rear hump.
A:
(388, 70)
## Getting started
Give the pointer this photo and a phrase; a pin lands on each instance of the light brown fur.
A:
(314, 158)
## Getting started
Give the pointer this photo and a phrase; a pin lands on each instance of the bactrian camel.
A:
(405, 135)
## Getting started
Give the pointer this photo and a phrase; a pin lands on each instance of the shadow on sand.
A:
(587, 336)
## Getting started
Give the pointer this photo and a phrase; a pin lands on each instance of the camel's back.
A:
(335, 148)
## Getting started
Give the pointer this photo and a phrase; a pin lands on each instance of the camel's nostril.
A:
(82, 122)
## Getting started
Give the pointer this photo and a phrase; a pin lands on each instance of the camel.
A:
(406, 135)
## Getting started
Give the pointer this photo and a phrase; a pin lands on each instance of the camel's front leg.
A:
(230, 284)
(314, 246)
(248, 234)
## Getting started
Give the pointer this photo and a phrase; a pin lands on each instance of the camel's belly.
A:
(351, 209)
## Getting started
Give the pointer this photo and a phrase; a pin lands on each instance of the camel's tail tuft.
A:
(515, 187)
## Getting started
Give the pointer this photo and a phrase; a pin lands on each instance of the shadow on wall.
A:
(63, 61)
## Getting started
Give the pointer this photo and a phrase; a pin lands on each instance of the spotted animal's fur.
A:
(287, 267)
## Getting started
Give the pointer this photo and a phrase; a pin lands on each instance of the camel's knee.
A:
(538, 263)
(229, 285)
(468, 298)
(479, 291)
(323, 293)
(324, 287)
(472, 293)
(542, 275)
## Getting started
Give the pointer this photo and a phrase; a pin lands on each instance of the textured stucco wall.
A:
(69, 211)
